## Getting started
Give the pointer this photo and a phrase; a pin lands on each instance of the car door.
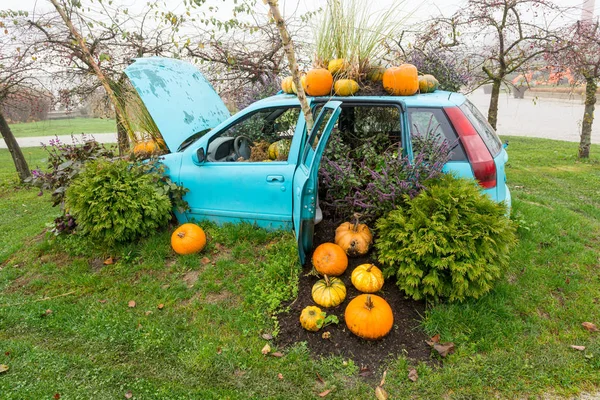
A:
(258, 191)
(305, 177)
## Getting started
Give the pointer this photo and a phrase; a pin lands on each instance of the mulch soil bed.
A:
(406, 337)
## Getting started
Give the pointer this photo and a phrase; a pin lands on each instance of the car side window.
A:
(432, 123)
(261, 136)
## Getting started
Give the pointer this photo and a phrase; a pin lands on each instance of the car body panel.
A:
(178, 97)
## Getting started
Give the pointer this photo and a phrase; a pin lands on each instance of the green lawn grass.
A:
(205, 343)
(64, 127)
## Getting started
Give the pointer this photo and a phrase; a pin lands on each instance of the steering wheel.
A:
(241, 147)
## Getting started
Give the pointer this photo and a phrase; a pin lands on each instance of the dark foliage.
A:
(443, 65)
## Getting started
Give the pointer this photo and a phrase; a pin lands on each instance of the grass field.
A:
(66, 326)
(64, 127)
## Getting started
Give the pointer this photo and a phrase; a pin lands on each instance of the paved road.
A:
(36, 141)
(541, 117)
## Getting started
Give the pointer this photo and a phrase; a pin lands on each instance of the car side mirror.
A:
(199, 157)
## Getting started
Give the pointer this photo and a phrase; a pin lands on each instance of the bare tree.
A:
(579, 52)
(505, 36)
(19, 76)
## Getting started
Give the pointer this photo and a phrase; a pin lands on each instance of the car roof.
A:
(439, 98)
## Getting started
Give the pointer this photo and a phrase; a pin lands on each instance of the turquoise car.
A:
(211, 155)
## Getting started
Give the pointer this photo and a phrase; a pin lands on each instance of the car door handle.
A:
(275, 178)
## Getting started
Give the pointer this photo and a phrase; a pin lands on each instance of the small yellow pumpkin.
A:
(345, 87)
(329, 292)
(337, 66)
(354, 238)
(312, 318)
(375, 74)
(369, 317)
(367, 278)
(287, 85)
(302, 81)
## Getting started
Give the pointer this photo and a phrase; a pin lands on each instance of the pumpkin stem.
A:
(356, 221)
(326, 280)
(370, 266)
(181, 235)
(369, 303)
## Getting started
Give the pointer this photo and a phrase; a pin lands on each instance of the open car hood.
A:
(177, 96)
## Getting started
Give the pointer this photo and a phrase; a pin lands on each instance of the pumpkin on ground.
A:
(287, 85)
(355, 238)
(337, 66)
(318, 82)
(345, 87)
(330, 259)
(280, 149)
(428, 83)
(367, 278)
(402, 80)
(312, 318)
(329, 292)
(369, 316)
(188, 239)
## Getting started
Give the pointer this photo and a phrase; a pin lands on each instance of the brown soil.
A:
(406, 337)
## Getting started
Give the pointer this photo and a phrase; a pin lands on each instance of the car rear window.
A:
(482, 126)
(432, 122)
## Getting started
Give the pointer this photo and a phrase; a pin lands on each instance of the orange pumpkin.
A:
(367, 278)
(188, 239)
(330, 259)
(147, 147)
(369, 316)
(402, 80)
(355, 238)
(318, 82)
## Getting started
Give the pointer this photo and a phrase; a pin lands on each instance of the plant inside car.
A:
(449, 242)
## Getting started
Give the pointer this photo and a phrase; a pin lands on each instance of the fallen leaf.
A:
(325, 393)
(219, 350)
(131, 303)
(580, 348)
(7, 353)
(280, 376)
(326, 335)
(205, 261)
(266, 350)
(46, 313)
(148, 313)
(413, 375)
(380, 393)
(365, 371)
(444, 348)
(277, 354)
(383, 378)
(56, 396)
(433, 340)
(109, 261)
(161, 306)
(589, 326)
(568, 280)
(320, 379)
(102, 301)
(3, 368)
(128, 395)
(267, 336)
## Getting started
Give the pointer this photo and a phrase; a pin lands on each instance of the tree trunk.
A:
(588, 117)
(493, 110)
(15, 150)
(288, 47)
(122, 132)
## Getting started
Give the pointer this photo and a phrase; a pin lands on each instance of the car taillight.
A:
(479, 156)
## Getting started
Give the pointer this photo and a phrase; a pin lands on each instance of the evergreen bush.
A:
(450, 241)
(115, 201)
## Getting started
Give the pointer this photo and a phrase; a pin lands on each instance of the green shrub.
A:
(115, 201)
(451, 241)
